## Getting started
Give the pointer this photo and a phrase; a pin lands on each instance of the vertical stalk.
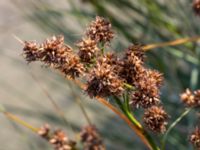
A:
(135, 122)
(163, 142)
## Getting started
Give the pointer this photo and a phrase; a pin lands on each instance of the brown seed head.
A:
(87, 50)
(103, 81)
(140, 99)
(130, 67)
(112, 60)
(135, 50)
(44, 131)
(91, 138)
(191, 99)
(147, 83)
(100, 30)
(196, 7)
(155, 119)
(54, 51)
(72, 67)
(195, 138)
(57, 138)
(30, 51)
(61, 141)
(197, 97)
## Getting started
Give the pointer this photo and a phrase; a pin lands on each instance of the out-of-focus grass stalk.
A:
(80, 104)
(16, 119)
(171, 43)
(163, 142)
(53, 102)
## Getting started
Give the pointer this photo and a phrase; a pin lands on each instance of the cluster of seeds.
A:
(106, 74)
(191, 99)
(55, 53)
(91, 138)
(195, 138)
(57, 138)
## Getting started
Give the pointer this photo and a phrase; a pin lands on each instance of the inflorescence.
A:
(106, 74)
(91, 138)
(57, 138)
(191, 99)
(195, 138)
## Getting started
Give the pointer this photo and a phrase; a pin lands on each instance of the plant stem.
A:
(136, 123)
(173, 125)
(128, 86)
(16, 119)
(171, 43)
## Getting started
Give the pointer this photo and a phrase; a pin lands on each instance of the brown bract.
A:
(91, 138)
(100, 30)
(155, 119)
(195, 138)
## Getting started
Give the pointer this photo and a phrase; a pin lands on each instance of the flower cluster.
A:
(100, 30)
(91, 138)
(191, 99)
(88, 50)
(195, 138)
(155, 119)
(53, 52)
(106, 73)
(57, 138)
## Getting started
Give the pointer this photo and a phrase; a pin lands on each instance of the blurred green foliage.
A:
(134, 21)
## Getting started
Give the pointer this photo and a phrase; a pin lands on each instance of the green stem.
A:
(136, 123)
(128, 86)
(172, 126)
(102, 48)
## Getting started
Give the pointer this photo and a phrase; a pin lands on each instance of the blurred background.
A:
(134, 21)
